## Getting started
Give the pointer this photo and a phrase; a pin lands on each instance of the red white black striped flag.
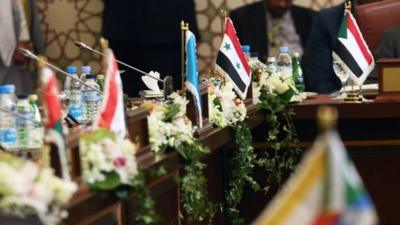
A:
(351, 51)
(112, 115)
(232, 62)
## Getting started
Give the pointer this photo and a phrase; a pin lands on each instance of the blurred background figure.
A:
(389, 46)
(270, 24)
(19, 27)
(146, 34)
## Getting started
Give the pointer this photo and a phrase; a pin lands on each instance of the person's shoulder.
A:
(248, 8)
(392, 31)
(332, 11)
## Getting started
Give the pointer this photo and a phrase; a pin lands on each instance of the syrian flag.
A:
(192, 75)
(351, 51)
(326, 189)
(232, 61)
(112, 116)
(54, 127)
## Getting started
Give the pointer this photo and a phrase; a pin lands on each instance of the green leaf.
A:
(111, 182)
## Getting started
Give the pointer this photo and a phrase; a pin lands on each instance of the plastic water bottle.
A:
(84, 71)
(246, 51)
(272, 67)
(67, 83)
(297, 72)
(8, 130)
(75, 108)
(284, 63)
(37, 131)
(24, 122)
(91, 98)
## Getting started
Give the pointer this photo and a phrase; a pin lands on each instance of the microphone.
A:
(30, 55)
(168, 84)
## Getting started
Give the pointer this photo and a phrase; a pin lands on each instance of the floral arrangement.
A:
(225, 108)
(170, 128)
(27, 190)
(168, 124)
(109, 164)
(273, 92)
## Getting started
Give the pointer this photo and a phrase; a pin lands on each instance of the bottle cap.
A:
(7, 89)
(33, 98)
(22, 97)
(246, 48)
(86, 69)
(284, 49)
(271, 59)
(100, 77)
(296, 54)
(90, 76)
(71, 69)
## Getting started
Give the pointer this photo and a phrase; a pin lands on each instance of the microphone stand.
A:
(30, 55)
(168, 85)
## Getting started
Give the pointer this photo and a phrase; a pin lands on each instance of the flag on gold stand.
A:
(324, 190)
(54, 127)
(112, 115)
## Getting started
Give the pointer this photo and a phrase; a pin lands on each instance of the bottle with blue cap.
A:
(72, 71)
(246, 51)
(84, 71)
(75, 108)
(8, 130)
(24, 122)
(284, 62)
(91, 98)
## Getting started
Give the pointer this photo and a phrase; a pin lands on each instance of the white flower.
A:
(169, 134)
(230, 109)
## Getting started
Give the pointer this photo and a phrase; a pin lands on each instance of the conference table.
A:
(370, 131)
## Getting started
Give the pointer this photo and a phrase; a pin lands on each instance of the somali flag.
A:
(192, 75)
(326, 189)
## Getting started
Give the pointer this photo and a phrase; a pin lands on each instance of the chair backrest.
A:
(374, 18)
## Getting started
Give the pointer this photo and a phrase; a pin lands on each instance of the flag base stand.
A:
(353, 97)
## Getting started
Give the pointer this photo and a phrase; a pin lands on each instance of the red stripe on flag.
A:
(52, 99)
(230, 31)
(326, 219)
(352, 26)
(110, 107)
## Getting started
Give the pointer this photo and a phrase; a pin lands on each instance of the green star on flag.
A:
(238, 65)
(227, 46)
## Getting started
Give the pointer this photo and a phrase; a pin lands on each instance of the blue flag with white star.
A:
(192, 75)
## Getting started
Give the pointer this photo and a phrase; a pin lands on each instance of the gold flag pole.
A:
(327, 117)
(184, 28)
(347, 5)
(223, 14)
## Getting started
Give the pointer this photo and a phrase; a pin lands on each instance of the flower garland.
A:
(275, 94)
(225, 109)
(27, 189)
(170, 128)
(109, 164)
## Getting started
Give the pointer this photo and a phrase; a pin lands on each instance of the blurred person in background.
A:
(270, 24)
(19, 27)
(146, 34)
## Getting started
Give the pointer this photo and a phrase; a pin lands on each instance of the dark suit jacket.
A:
(147, 21)
(250, 22)
(389, 47)
(318, 71)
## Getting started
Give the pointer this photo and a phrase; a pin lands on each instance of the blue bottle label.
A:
(8, 136)
(76, 111)
(91, 96)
